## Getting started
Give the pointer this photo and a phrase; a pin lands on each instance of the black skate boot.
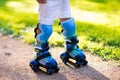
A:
(44, 59)
(73, 52)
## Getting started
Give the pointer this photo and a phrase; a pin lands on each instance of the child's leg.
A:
(69, 31)
(72, 49)
(42, 34)
(43, 57)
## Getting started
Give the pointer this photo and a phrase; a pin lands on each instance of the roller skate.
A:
(73, 52)
(44, 59)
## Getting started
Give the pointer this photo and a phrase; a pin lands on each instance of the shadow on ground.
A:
(15, 57)
(70, 73)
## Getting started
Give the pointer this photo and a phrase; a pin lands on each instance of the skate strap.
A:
(73, 40)
(42, 50)
(47, 54)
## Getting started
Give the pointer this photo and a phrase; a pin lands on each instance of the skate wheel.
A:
(78, 64)
(85, 62)
(34, 66)
(57, 69)
(65, 61)
(49, 71)
(64, 57)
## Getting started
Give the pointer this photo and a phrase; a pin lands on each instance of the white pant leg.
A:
(53, 9)
(65, 11)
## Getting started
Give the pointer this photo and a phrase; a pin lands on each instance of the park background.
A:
(97, 21)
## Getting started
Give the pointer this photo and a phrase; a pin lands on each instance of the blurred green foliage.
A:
(19, 18)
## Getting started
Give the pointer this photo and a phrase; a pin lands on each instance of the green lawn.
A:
(97, 24)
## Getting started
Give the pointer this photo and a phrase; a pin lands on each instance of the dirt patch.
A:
(15, 57)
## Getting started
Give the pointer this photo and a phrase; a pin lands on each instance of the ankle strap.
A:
(42, 55)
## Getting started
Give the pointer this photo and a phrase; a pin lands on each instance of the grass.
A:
(15, 22)
(97, 24)
(100, 40)
(99, 31)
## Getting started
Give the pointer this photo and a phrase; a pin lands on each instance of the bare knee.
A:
(64, 19)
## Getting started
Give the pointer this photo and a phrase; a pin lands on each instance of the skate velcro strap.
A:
(74, 40)
(43, 56)
(43, 50)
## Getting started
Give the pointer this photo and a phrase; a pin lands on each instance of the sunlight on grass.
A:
(96, 17)
(103, 12)
(84, 5)
(23, 7)
(56, 39)
(105, 52)
(14, 4)
(91, 17)
(28, 35)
